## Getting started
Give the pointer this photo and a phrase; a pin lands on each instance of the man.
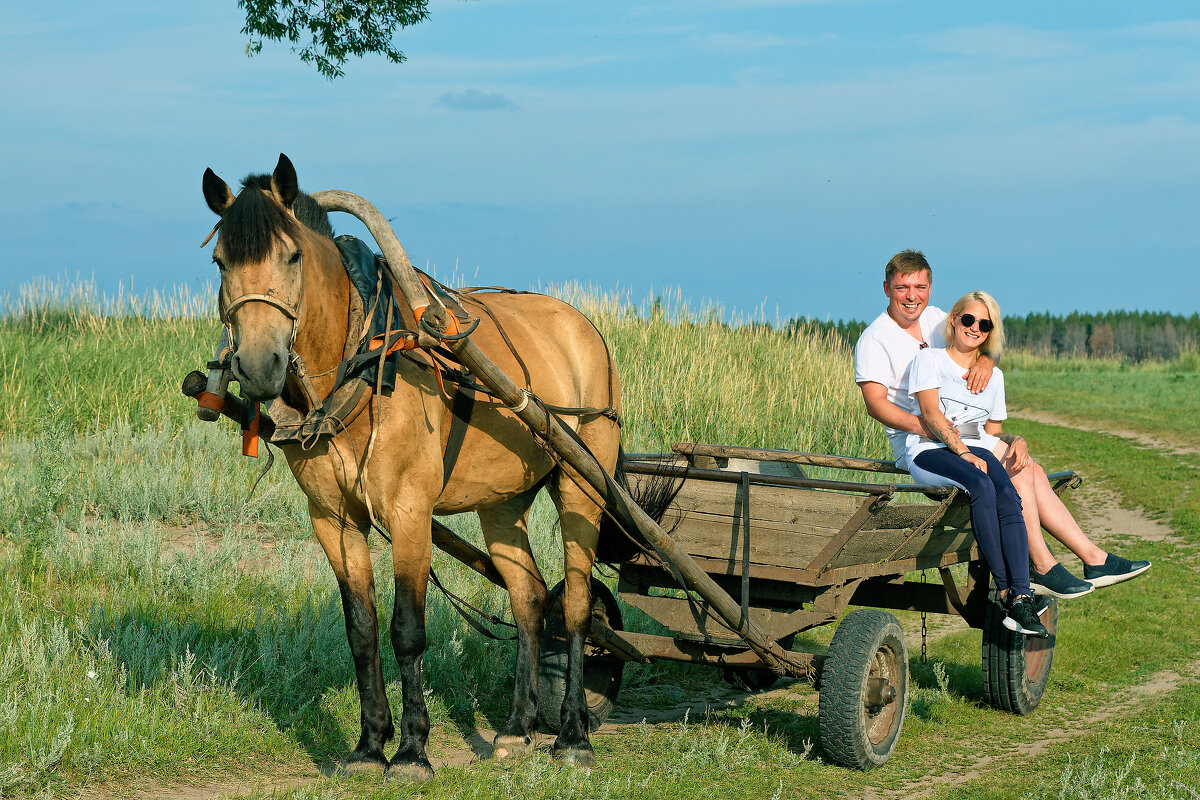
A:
(882, 358)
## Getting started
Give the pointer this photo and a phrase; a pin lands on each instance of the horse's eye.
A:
(295, 259)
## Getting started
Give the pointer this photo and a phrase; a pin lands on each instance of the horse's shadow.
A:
(292, 669)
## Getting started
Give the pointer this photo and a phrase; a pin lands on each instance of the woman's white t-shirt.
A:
(933, 369)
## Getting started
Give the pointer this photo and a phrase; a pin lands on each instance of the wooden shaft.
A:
(399, 265)
(533, 415)
(570, 450)
(463, 551)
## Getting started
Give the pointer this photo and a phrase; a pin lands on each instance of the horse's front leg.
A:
(345, 545)
(411, 551)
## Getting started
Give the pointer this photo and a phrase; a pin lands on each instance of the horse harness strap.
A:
(330, 415)
(292, 311)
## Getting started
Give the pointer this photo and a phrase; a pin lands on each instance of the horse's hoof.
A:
(576, 757)
(507, 745)
(362, 765)
(416, 771)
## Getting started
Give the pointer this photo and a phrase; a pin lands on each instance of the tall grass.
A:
(686, 375)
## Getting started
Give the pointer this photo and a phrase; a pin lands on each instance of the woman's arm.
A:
(1018, 451)
(935, 420)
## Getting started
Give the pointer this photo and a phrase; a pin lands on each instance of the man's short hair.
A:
(906, 262)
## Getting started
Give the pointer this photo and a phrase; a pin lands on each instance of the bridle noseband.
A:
(292, 311)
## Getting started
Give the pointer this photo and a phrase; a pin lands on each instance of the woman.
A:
(966, 426)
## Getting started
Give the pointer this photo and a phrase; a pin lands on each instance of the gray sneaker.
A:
(1058, 583)
(1114, 570)
(1021, 616)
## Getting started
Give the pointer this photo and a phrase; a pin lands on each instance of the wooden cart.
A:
(754, 559)
(797, 551)
(767, 552)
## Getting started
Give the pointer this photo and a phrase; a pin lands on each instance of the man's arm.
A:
(887, 412)
(980, 374)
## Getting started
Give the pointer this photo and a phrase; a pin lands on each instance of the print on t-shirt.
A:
(967, 418)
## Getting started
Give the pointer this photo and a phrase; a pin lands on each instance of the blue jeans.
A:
(995, 510)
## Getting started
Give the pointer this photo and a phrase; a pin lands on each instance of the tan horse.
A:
(286, 291)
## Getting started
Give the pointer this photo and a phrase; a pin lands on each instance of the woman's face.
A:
(968, 338)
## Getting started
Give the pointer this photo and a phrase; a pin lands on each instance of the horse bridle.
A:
(292, 311)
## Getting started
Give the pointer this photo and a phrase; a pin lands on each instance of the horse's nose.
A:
(261, 374)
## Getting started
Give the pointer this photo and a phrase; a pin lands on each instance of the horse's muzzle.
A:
(261, 374)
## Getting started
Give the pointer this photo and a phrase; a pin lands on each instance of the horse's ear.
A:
(217, 193)
(284, 183)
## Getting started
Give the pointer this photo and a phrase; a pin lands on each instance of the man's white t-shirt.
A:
(934, 369)
(885, 352)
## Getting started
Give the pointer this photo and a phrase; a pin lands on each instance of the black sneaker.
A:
(1022, 617)
(1114, 570)
(1058, 583)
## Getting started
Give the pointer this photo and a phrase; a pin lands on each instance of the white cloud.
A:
(1001, 41)
(474, 100)
(731, 43)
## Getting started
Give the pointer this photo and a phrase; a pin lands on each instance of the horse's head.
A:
(260, 254)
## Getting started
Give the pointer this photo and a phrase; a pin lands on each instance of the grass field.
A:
(158, 629)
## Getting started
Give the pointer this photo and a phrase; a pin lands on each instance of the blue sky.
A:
(764, 155)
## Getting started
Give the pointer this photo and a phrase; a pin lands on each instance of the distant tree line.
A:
(1135, 335)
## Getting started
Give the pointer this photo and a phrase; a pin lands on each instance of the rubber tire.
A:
(749, 680)
(1016, 668)
(601, 672)
(867, 641)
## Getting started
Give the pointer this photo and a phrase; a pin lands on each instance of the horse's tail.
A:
(620, 541)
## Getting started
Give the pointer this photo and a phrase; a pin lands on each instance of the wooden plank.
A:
(701, 536)
(806, 508)
(788, 456)
(798, 665)
(850, 528)
(788, 527)
(695, 619)
(871, 546)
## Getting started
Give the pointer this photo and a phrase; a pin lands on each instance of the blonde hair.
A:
(994, 344)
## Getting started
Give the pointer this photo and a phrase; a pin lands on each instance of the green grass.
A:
(155, 626)
(1160, 399)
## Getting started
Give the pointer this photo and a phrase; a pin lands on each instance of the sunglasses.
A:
(968, 320)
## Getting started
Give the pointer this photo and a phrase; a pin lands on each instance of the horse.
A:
(286, 299)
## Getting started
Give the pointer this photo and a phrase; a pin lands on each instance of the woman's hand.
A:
(971, 458)
(1018, 452)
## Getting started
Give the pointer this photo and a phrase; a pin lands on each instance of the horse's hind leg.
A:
(345, 545)
(506, 531)
(579, 513)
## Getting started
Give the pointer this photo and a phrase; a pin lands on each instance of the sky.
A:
(767, 156)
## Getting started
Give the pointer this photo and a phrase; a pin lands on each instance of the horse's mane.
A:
(253, 222)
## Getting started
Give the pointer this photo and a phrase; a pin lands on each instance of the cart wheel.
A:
(601, 671)
(1016, 667)
(864, 690)
(749, 680)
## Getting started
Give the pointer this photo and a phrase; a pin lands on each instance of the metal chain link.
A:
(924, 632)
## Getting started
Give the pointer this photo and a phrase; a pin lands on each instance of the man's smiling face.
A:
(907, 296)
